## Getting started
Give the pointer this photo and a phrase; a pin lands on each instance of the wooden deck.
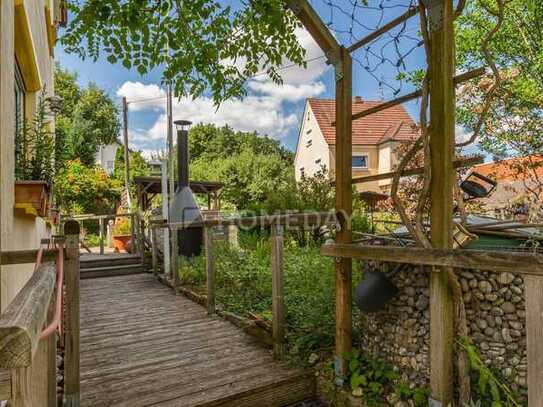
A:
(141, 345)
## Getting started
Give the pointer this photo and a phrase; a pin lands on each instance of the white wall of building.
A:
(312, 151)
(105, 157)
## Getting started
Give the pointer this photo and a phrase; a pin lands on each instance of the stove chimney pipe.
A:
(183, 152)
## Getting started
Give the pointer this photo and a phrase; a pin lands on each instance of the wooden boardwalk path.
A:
(141, 345)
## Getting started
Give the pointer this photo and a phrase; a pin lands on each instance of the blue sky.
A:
(269, 108)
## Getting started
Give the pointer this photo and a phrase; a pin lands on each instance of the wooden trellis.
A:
(441, 58)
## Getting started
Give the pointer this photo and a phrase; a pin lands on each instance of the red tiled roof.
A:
(512, 169)
(390, 124)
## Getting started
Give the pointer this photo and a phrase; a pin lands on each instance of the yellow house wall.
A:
(18, 231)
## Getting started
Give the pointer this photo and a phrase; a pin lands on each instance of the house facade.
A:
(105, 156)
(27, 37)
(375, 138)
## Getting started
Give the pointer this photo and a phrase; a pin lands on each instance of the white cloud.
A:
(268, 108)
(141, 96)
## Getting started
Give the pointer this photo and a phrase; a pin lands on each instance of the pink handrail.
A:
(59, 300)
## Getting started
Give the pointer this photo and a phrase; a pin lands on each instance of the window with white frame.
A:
(360, 161)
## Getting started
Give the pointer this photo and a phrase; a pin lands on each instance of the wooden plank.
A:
(142, 345)
(72, 323)
(26, 256)
(412, 11)
(278, 312)
(22, 321)
(488, 260)
(534, 332)
(459, 79)
(442, 140)
(210, 270)
(31, 385)
(459, 163)
(344, 206)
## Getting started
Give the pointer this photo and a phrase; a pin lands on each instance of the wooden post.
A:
(534, 332)
(210, 270)
(71, 357)
(343, 174)
(154, 243)
(165, 215)
(278, 312)
(441, 131)
(175, 257)
(101, 232)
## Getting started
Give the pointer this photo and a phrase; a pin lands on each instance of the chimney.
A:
(358, 99)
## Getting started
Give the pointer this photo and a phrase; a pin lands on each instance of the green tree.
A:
(199, 43)
(95, 121)
(83, 189)
(514, 124)
(137, 166)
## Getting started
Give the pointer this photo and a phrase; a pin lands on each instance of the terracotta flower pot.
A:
(122, 243)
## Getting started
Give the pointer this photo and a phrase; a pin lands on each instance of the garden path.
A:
(141, 345)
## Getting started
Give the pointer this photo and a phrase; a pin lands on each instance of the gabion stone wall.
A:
(496, 320)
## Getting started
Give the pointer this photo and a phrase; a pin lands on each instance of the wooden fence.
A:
(277, 225)
(28, 349)
(136, 226)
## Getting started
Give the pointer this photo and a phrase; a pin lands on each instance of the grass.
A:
(244, 285)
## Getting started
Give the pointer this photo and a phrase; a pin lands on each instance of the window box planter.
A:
(32, 197)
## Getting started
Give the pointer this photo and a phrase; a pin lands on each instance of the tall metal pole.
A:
(171, 171)
(126, 152)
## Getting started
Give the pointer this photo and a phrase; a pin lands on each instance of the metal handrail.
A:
(56, 323)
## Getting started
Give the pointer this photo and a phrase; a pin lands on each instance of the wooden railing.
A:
(136, 225)
(528, 265)
(277, 224)
(27, 326)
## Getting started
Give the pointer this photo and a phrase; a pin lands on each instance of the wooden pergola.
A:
(148, 187)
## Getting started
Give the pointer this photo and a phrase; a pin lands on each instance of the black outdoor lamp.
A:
(477, 186)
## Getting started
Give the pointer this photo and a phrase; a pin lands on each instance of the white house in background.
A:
(105, 156)
(374, 140)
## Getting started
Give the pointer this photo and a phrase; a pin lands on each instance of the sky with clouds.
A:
(268, 108)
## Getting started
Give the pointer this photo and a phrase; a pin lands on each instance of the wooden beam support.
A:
(488, 260)
(23, 320)
(459, 163)
(344, 206)
(210, 270)
(441, 62)
(71, 318)
(534, 333)
(316, 27)
(459, 79)
(413, 11)
(278, 312)
(154, 244)
(26, 256)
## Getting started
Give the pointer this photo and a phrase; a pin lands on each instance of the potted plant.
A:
(122, 236)
(34, 162)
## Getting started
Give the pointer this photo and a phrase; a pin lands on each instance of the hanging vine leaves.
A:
(201, 45)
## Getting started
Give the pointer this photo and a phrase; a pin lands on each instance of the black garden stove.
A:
(184, 206)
